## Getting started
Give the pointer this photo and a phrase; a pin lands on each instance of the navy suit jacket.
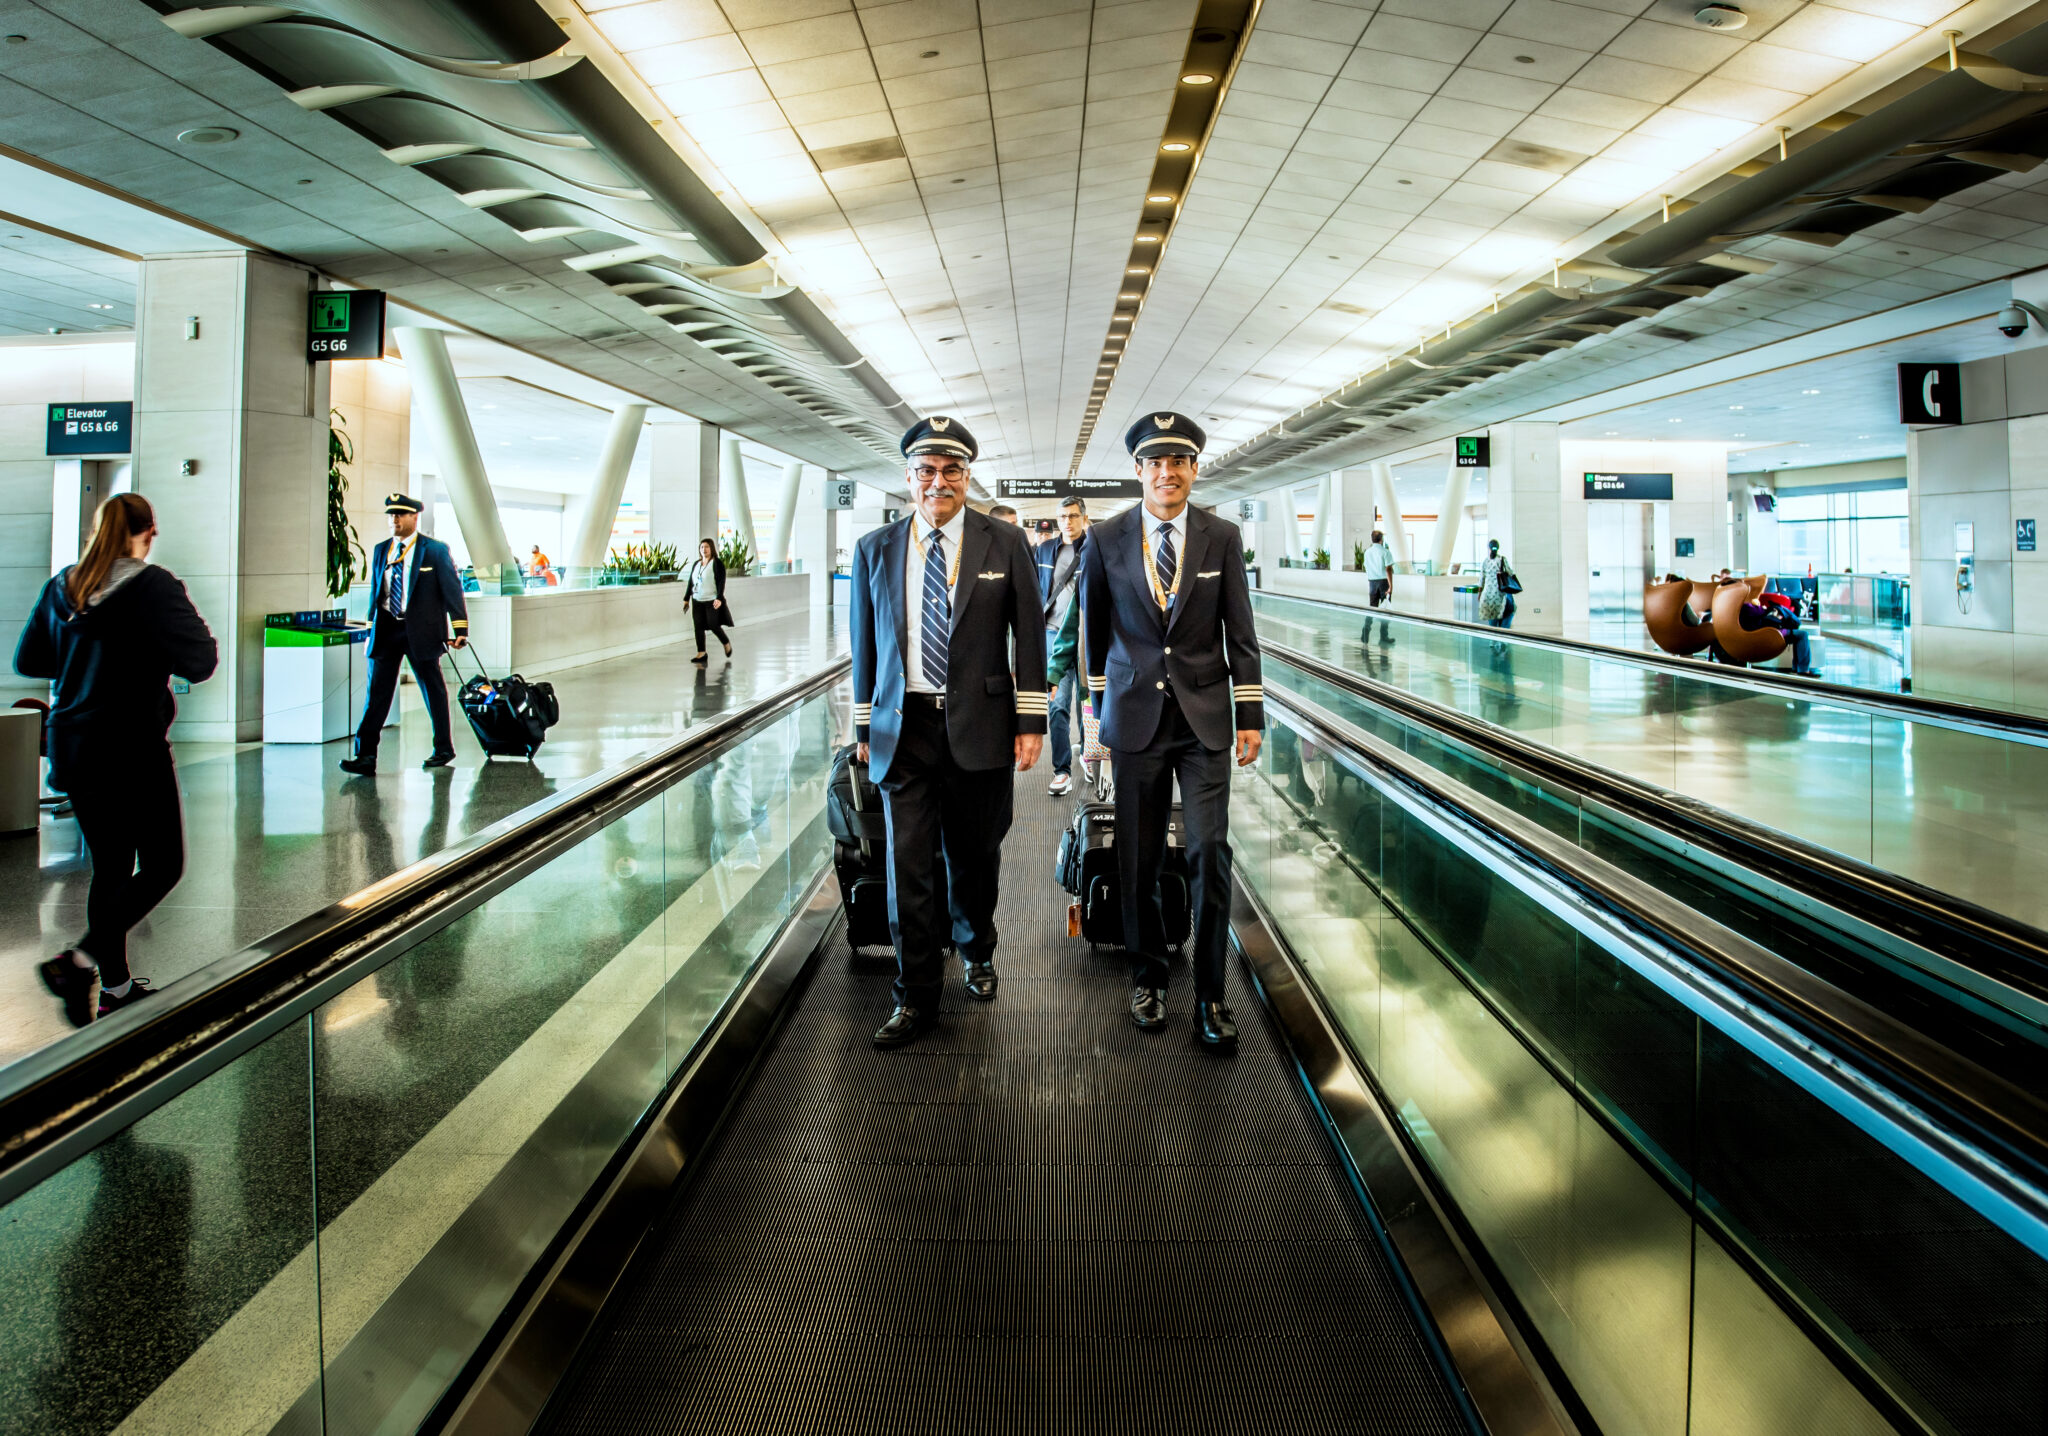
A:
(1206, 649)
(995, 611)
(433, 596)
(1046, 556)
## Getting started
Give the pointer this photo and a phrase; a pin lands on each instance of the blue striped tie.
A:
(938, 613)
(1163, 562)
(395, 599)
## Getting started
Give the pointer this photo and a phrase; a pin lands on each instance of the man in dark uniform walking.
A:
(415, 598)
(1173, 670)
(941, 599)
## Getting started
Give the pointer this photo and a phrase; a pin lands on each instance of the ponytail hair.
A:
(121, 518)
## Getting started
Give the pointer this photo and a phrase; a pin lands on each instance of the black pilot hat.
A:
(940, 435)
(401, 504)
(1155, 435)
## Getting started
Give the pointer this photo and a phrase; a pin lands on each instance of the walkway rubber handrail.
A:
(1991, 944)
(58, 1102)
(1907, 707)
(1991, 1132)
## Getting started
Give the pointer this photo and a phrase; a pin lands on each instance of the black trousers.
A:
(938, 812)
(704, 616)
(1144, 800)
(387, 651)
(133, 824)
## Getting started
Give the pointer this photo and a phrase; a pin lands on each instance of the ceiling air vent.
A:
(867, 152)
(1536, 157)
(1666, 331)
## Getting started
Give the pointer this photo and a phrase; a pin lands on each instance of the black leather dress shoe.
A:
(903, 1026)
(1214, 1027)
(981, 981)
(438, 760)
(361, 767)
(1148, 1007)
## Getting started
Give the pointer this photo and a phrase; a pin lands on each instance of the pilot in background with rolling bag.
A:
(1173, 670)
(415, 602)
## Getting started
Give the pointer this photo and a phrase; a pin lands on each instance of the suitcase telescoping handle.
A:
(470, 649)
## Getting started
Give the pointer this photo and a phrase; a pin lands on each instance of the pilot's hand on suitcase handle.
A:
(860, 751)
(1028, 745)
(1249, 741)
(458, 642)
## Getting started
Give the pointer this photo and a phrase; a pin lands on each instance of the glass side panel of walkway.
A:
(1958, 805)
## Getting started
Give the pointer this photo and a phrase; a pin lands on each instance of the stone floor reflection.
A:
(276, 831)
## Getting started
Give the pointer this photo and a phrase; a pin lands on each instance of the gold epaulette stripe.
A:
(1097, 683)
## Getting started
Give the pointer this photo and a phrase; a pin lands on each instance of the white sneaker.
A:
(1061, 786)
(1088, 772)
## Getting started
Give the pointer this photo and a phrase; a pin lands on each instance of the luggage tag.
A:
(1074, 919)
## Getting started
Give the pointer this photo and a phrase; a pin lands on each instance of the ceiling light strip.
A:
(1215, 42)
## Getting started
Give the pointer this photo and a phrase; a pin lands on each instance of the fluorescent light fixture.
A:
(1176, 147)
(1198, 79)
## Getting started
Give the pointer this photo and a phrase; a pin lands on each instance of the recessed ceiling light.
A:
(99, 306)
(1863, 436)
(1159, 199)
(1674, 421)
(208, 135)
(1741, 435)
(520, 288)
(1198, 79)
(1525, 59)
(1612, 432)
(1176, 147)
(1148, 239)
(1809, 391)
(1134, 269)
(1735, 406)
(1132, 295)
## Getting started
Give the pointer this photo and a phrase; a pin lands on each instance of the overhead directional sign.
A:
(1070, 488)
(1475, 452)
(1628, 486)
(345, 324)
(1930, 393)
(89, 428)
(839, 493)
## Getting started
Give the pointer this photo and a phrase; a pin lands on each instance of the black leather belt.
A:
(925, 700)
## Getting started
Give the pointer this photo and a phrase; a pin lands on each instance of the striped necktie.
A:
(1163, 562)
(395, 601)
(938, 613)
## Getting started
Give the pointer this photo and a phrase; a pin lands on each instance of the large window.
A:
(1861, 531)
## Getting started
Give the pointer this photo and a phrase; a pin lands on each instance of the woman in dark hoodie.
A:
(110, 631)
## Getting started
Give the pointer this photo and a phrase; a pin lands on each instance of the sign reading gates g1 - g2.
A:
(1069, 488)
(1628, 486)
(345, 324)
(89, 428)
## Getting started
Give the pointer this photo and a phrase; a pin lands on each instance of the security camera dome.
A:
(1719, 17)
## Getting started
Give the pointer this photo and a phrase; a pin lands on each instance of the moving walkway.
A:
(576, 1127)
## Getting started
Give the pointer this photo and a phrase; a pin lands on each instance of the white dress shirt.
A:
(1179, 524)
(913, 591)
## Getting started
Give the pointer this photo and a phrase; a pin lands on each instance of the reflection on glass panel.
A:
(167, 1278)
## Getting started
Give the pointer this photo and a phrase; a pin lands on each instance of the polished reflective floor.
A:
(275, 831)
(1962, 810)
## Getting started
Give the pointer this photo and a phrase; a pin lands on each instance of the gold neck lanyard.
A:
(953, 575)
(1163, 597)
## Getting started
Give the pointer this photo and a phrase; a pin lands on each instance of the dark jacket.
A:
(1207, 649)
(112, 664)
(721, 616)
(1046, 556)
(995, 606)
(433, 597)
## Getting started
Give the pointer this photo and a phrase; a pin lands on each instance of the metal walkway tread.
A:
(1035, 1219)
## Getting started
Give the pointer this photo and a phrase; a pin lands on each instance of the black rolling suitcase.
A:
(1087, 869)
(509, 716)
(860, 850)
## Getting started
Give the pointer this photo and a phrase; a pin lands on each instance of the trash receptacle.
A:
(21, 769)
(1465, 603)
(315, 671)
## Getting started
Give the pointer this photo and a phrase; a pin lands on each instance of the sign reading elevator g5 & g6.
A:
(89, 428)
(345, 324)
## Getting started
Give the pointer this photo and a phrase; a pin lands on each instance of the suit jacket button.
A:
(1159, 685)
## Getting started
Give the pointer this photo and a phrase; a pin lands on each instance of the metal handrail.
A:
(1906, 707)
(58, 1102)
(2001, 948)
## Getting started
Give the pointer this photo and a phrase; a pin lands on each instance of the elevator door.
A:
(1620, 550)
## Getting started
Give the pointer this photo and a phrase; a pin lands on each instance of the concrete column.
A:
(1353, 491)
(460, 467)
(682, 486)
(1289, 502)
(1319, 532)
(779, 550)
(231, 449)
(733, 471)
(1389, 503)
(815, 541)
(593, 532)
(1524, 512)
(1450, 514)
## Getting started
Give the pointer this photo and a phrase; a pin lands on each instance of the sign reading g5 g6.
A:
(345, 324)
(1475, 452)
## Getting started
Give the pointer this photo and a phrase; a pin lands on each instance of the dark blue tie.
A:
(396, 601)
(1163, 562)
(938, 613)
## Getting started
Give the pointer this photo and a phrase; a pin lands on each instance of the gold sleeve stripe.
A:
(1097, 683)
(1245, 691)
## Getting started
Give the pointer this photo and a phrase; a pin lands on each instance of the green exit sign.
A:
(1475, 452)
(345, 324)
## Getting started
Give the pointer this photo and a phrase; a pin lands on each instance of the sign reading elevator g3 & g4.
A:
(1628, 486)
(345, 324)
(89, 428)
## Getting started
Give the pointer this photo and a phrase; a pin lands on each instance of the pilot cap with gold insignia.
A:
(401, 504)
(1158, 434)
(940, 435)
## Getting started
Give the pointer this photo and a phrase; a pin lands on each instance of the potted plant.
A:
(1358, 557)
(736, 556)
(1251, 569)
(1321, 558)
(345, 556)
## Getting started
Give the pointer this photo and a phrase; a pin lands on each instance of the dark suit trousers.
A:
(1144, 800)
(939, 812)
(388, 649)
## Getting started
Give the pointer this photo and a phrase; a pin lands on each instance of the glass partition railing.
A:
(1957, 805)
(318, 1234)
(1713, 1222)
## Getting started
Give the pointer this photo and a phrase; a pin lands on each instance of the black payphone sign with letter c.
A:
(1930, 393)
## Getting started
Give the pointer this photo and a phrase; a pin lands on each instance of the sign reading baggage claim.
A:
(88, 428)
(1070, 488)
(1628, 486)
(345, 324)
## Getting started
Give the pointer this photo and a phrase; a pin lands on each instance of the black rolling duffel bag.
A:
(1087, 869)
(509, 716)
(860, 850)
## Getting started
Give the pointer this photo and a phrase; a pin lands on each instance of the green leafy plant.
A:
(736, 556)
(345, 556)
(1250, 557)
(1358, 557)
(1322, 558)
(639, 560)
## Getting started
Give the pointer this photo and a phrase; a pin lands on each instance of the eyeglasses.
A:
(925, 473)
